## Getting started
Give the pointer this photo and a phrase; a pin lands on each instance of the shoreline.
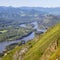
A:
(19, 38)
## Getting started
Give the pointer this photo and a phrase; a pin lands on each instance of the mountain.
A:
(48, 46)
(53, 11)
(13, 15)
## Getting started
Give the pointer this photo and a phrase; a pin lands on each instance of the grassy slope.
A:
(9, 56)
(55, 55)
(38, 49)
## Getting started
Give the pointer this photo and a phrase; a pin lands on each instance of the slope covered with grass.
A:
(9, 55)
(38, 50)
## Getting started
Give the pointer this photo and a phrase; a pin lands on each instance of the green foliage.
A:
(12, 33)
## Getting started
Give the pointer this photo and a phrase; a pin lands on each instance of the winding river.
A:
(6, 43)
(27, 38)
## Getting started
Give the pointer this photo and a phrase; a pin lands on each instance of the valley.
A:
(42, 47)
(29, 33)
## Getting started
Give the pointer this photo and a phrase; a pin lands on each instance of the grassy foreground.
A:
(9, 55)
(36, 52)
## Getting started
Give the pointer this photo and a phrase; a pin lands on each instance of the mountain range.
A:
(17, 15)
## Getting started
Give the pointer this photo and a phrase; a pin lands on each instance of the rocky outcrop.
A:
(19, 54)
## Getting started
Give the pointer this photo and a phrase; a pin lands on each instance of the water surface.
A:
(6, 43)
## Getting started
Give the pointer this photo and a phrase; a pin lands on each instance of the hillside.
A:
(43, 47)
(48, 46)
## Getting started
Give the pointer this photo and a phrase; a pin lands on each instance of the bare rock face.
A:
(0, 58)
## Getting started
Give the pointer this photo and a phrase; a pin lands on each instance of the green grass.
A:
(55, 55)
(11, 53)
(38, 49)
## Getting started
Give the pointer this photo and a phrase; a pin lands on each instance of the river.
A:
(27, 38)
(6, 43)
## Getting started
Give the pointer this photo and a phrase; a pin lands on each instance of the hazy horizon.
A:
(30, 3)
(28, 7)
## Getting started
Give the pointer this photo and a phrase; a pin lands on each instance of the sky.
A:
(30, 3)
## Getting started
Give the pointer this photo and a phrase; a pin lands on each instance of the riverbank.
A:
(17, 52)
(25, 38)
